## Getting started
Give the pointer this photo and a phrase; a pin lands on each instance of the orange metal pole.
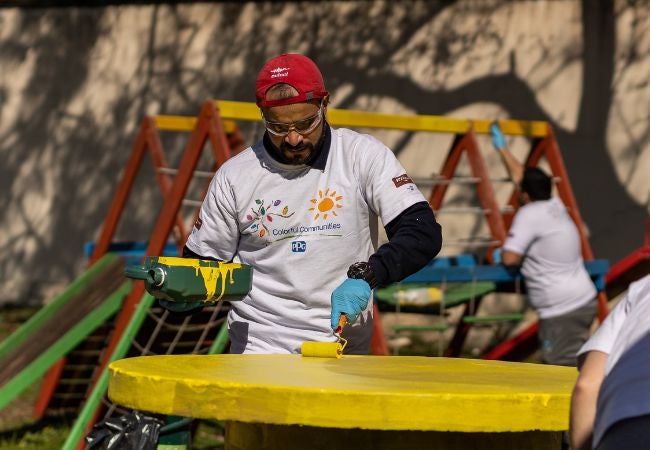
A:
(447, 171)
(47, 389)
(484, 188)
(220, 146)
(566, 192)
(554, 159)
(165, 181)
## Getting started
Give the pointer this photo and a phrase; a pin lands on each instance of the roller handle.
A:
(342, 321)
(154, 275)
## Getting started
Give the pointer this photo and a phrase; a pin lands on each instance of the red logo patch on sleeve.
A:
(402, 180)
(198, 224)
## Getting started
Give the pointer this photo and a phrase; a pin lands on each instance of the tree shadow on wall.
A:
(365, 50)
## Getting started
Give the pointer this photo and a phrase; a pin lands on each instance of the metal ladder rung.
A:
(167, 344)
(189, 202)
(87, 352)
(196, 173)
(70, 396)
(493, 319)
(74, 381)
(63, 410)
(80, 366)
(439, 180)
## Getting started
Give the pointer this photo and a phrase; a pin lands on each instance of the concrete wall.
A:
(75, 83)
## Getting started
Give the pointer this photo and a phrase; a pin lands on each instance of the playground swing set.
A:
(129, 324)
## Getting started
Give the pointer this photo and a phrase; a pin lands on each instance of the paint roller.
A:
(326, 349)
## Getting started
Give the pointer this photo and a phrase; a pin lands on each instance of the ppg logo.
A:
(298, 246)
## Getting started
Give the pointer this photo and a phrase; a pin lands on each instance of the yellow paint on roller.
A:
(327, 349)
(210, 274)
(322, 349)
(381, 392)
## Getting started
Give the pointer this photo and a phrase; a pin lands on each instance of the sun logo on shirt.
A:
(325, 204)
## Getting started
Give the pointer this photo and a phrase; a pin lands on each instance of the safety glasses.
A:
(304, 126)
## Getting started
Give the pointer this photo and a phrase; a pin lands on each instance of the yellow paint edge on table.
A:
(382, 393)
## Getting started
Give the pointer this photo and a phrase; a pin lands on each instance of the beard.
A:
(297, 155)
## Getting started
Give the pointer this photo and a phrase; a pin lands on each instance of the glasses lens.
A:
(303, 126)
(306, 124)
(278, 128)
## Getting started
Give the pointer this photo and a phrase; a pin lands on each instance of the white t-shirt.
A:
(300, 228)
(556, 279)
(625, 337)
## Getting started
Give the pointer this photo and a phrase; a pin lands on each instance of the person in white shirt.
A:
(301, 206)
(610, 404)
(545, 242)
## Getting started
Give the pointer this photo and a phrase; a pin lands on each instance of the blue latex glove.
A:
(497, 255)
(498, 139)
(350, 298)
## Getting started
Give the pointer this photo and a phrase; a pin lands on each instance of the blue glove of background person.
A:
(350, 298)
(497, 255)
(498, 139)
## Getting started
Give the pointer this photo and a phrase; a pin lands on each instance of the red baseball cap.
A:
(295, 70)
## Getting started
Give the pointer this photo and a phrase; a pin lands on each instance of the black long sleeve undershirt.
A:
(414, 239)
(187, 253)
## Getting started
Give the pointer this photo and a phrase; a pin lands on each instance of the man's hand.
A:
(498, 139)
(350, 298)
(584, 399)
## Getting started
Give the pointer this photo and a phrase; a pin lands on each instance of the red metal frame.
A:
(467, 143)
(499, 222)
(209, 126)
(463, 143)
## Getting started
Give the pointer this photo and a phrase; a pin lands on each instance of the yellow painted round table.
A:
(361, 402)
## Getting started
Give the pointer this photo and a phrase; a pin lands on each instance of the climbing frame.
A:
(214, 125)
